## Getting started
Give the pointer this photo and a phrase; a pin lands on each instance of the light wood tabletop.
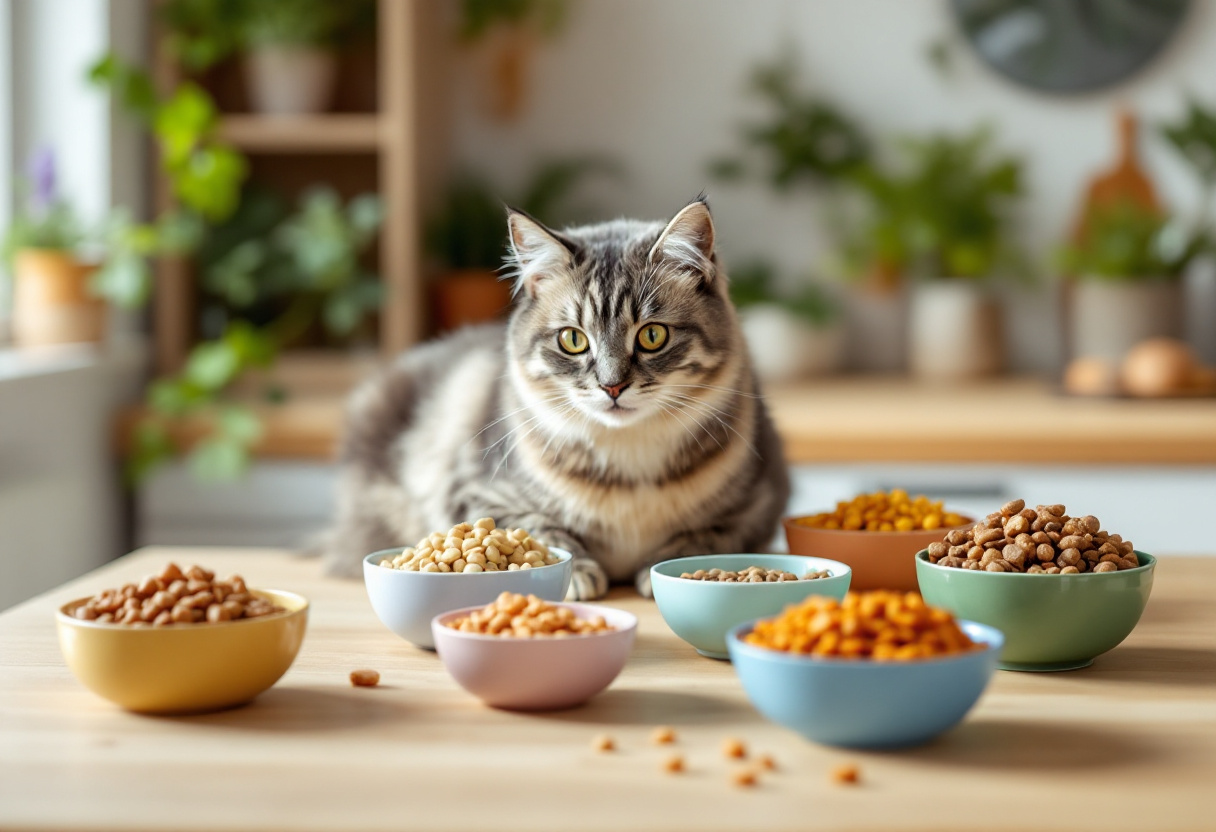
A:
(1127, 744)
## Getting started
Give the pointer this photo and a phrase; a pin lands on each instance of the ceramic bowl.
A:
(536, 674)
(862, 703)
(407, 601)
(1050, 622)
(702, 612)
(879, 560)
(186, 668)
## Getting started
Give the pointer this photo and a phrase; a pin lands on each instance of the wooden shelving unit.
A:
(380, 147)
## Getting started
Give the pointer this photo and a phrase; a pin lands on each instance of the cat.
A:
(616, 415)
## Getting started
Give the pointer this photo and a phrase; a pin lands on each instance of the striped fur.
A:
(499, 421)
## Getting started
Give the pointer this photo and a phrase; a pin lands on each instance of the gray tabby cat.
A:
(615, 415)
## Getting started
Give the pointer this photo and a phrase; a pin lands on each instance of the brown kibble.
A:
(848, 773)
(603, 742)
(365, 678)
(733, 749)
(1016, 525)
(1106, 566)
(174, 598)
(744, 777)
(674, 764)
(663, 735)
(1013, 507)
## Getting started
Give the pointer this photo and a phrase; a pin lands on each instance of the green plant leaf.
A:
(218, 459)
(212, 365)
(239, 424)
(124, 279)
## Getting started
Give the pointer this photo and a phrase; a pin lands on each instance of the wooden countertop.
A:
(889, 419)
(1127, 744)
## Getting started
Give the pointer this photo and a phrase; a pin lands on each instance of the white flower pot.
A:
(290, 80)
(786, 347)
(954, 331)
(1107, 318)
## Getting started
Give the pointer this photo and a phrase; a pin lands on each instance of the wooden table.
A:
(1128, 744)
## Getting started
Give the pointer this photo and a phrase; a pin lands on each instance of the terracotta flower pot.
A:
(954, 331)
(52, 303)
(290, 80)
(470, 296)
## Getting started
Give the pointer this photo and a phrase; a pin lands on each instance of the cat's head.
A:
(623, 320)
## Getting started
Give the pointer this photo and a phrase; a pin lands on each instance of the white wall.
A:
(660, 86)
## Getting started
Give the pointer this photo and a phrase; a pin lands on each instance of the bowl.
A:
(184, 668)
(407, 601)
(536, 674)
(879, 560)
(862, 703)
(702, 612)
(1050, 622)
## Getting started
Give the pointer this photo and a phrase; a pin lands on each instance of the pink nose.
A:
(614, 390)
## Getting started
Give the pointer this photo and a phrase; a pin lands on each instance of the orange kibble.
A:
(766, 761)
(733, 749)
(894, 511)
(364, 678)
(663, 735)
(603, 742)
(846, 774)
(674, 764)
(745, 778)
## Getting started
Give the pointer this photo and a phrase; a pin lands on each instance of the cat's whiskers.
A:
(546, 400)
(716, 388)
(713, 412)
(674, 414)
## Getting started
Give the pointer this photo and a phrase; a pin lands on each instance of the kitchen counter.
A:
(1127, 744)
(891, 419)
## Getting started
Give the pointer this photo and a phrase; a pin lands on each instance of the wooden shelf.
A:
(328, 132)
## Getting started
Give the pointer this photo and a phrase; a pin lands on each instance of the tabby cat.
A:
(616, 415)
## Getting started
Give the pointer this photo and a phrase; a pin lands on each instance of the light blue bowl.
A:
(702, 612)
(860, 703)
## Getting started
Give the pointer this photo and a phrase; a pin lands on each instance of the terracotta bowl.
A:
(879, 560)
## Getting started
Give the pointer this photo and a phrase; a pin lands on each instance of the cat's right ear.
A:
(538, 252)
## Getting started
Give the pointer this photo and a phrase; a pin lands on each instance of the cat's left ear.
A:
(539, 252)
(688, 240)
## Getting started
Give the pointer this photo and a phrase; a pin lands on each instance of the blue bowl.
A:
(702, 612)
(861, 703)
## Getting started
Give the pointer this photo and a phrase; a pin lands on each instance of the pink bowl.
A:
(536, 674)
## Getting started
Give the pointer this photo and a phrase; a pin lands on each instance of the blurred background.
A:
(970, 240)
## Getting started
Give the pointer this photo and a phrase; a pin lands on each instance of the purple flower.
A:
(41, 172)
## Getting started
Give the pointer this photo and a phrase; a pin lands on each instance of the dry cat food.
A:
(663, 735)
(176, 597)
(878, 625)
(365, 678)
(474, 547)
(883, 511)
(1039, 540)
(751, 575)
(603, 742)
(846, 774)
(674, 764)
(733, 749)
(519, 616)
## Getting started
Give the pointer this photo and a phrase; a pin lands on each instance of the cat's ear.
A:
(537, 251)
(688, 240)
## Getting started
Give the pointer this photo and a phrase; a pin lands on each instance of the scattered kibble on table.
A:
(766, 762)
(744, 777)
(603, 742)
(663, 735)
(674, 764)
(847, 774)
(733, 749)
(364, 678)
(883, 511)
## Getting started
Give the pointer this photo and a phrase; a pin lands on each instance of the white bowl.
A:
(407, 601)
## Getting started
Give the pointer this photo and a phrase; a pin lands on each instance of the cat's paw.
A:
(642, 582)
(588, 581)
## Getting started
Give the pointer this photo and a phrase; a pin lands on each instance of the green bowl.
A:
(1050, 622)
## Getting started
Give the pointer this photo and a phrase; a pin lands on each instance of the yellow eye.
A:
(572, 340)
(652, 337)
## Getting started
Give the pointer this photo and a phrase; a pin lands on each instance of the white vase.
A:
(954, 331)
(290, 80)
(786, 347)
(1107, 318)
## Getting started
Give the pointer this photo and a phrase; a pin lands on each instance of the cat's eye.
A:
(572, 340)
(652, 337)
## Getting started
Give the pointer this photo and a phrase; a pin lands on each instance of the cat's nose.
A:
(614, 390)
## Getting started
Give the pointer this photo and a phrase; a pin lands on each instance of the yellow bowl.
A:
(184, 669)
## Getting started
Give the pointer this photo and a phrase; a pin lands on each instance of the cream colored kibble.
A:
(474, 547)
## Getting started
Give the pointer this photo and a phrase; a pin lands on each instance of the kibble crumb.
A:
(766, 761)
(603, 742)
(364, 678)
(674, 764)
(847, 774)
(733, 749)
(744, 777)
(663, 735)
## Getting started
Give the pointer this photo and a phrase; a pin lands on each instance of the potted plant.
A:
(943, 220)
(53, 298)
(1126, 265)
(290, 60)
(789, 336)
(468, 237)
(503, 35)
